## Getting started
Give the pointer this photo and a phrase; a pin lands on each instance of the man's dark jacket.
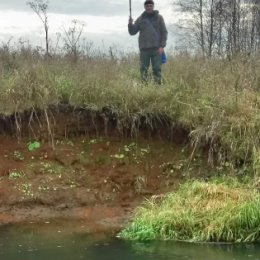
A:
(153, 32)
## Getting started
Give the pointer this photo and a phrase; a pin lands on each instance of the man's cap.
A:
(149, 2)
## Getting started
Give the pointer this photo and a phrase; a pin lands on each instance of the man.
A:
(152, 40)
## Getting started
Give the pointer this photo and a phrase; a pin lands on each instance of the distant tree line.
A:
(220, 27)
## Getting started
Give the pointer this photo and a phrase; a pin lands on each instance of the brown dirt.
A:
(96, 180)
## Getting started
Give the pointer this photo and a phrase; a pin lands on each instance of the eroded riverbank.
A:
(100, 180)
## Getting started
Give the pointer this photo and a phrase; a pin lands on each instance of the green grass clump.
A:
(200, 212)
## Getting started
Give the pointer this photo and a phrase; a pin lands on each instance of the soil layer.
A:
(99, 180)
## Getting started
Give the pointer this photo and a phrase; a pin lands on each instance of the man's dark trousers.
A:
(147, 56)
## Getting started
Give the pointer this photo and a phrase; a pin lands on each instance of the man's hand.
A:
(160, 51)
(130, 21)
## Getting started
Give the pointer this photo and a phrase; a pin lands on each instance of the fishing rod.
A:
(130, 8)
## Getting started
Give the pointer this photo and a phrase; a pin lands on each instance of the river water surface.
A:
(56, 241)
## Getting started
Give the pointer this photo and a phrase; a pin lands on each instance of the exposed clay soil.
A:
(99, 180)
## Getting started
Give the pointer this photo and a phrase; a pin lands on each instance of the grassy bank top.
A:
(216, 100)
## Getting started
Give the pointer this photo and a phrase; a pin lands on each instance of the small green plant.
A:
(72, 184)
(145, 151)
(95, 141)
(120, 159)
(127, 152)
(33, 145)
(172, 167)
(18, 156)
(13, 175)
(70, 143)
(26, 189)
(46, 167)
(43, 188)
(118, 156)
(135, 153)
(130, 147)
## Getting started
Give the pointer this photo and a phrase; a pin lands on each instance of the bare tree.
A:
(72, 37)
(222, 27)
(258, 23)
(194, 10)
(210, 28)
(255, 25)
(40, 7)
(202, 41)
(220, 22)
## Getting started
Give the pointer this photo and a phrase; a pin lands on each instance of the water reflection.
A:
(72, 241)
(174, 251)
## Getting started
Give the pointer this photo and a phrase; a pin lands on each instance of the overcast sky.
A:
(106, 20)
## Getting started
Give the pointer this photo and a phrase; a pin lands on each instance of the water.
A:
(72, 241)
